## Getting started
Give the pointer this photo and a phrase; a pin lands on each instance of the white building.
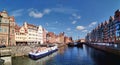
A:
(20, 35)
(29, 34)
(40, 35)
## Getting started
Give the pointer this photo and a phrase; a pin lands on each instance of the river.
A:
(72, 56)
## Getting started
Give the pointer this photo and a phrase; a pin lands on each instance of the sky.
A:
(74, 17)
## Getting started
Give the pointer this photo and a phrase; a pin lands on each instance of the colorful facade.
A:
(28, 34)
(108, 31)
(7, 29)
(53, 38)
(44, 35)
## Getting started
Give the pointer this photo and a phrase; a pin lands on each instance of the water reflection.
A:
(102, 58)
(72, 56)
(28, 61)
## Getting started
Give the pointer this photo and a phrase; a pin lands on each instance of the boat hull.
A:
(35, 57)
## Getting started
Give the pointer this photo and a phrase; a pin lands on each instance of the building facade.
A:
(28, 34)
(45, 35)
(53, 38)
(108, 31)
(7, 29)
(20, 35)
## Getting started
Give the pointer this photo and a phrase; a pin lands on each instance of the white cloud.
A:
(68, 29)
(64, 10)
(92, 24)
(35, 14)
(84, 30)
(80, 27)
(76, 16)
(16, 13)
(47, 11)
(74, 22)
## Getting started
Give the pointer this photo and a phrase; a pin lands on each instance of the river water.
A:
(72, 56)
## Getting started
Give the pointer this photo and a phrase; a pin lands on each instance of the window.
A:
(0, 29)
(5, 29)
(12, 31)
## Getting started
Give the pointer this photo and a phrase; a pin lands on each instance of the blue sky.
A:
(74, 17)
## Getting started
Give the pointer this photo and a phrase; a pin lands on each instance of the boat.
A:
(2, 61)
(71, 44)
(42, 52)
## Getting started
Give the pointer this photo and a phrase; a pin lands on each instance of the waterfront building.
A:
(39, 35)
(108, 31)
(28, 34)
(7, 29)
(68, 40)
(105, 34)
(20, 35)
(51, 37)
(111, 31)
(60, 38)
(117, 26)
(44, 35)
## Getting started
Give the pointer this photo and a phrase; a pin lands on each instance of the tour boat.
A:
(42, 52)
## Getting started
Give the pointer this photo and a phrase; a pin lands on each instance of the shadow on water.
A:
(102, 58)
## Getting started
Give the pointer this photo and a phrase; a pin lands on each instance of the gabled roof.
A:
(17, 28)
(31, 25)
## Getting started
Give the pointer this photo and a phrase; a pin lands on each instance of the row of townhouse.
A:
(108, 31)
(30, 34)
(12, 34)
(60, 38)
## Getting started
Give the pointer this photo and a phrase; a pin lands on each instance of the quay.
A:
(5, 56)
(19, 50)
(110, 48)
(5, 52)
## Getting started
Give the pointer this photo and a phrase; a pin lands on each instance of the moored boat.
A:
(42, 52)
(2, 62)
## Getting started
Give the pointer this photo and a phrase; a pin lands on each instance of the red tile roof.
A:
(31, 25)
(17, 28)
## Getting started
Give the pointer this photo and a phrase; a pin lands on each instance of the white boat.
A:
(42, 52)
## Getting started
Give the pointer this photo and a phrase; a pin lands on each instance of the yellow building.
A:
(7, 29)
